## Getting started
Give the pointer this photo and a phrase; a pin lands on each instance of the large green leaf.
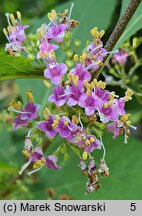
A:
(16, 67)
(134, 25)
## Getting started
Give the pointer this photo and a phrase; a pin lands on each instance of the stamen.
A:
(113, 52)
(93, 64)
(35, 170)
(8, 20)
(17, 111)
(72, 5)
(100, 46)
(80, 122)
(24, 167)
(101, 116)
(125, 139)
(133, 127)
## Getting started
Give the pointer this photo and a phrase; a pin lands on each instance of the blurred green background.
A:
(124, 160)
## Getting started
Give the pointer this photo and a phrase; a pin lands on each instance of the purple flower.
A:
(16, 31)
(30, 112)
(46, 126)
(102, 94)
(82, 74)
(57, 32)
(18, 34)
(74, 94)
(90, 143)
(55, 72)
(15, 46)
(95, 53)
(97, 50)
(37, 154)
(65, 127)
(90, 102)
(121, 57)
(112, 112)
(58, 96)
(51, 162)
(46, 48)
(113, 128)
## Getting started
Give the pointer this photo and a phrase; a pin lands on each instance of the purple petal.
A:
(51, 162)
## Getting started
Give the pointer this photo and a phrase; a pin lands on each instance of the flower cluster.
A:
(81, 105)
(15, 33)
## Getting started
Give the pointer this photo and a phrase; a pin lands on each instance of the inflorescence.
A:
(82, 107)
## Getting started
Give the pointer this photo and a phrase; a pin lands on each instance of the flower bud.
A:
(69, 63)
(68, 36)
(77, 42)
(69, 53)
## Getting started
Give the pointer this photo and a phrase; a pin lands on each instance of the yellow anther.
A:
(87, 142)
(92, 139)
(70, 77)
(106, 105)
(92, 85)
(5, 31)
(39, 163)
(95, 81)
(94, 32)
(128, 94)
(46, 111)
(66, 122)
(53, 55)
(47, 83)
(125, 117)
(101, 34)
(74, 78)
(83, 57)
(55, 121)
(110, 102)
(46, 54)
(52, 15)
(75, 58)
(88, 86)
(26, 154)
(103, 85)
(84, 155)
(75, 119)
(99, 84)
(41, 55)
(57, 117)
(16, 105)
(88, 92)
(85, 83)
(18, 15)
(30, 96)
(111, 96)
(12, 18)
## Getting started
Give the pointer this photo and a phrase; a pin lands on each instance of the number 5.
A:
(133, 206)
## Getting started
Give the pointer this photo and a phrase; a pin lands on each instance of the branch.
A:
(120, 27)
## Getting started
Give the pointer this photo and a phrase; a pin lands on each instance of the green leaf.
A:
(134, 25)
(17, 67)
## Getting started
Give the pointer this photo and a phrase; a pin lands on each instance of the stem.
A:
(120, 27)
